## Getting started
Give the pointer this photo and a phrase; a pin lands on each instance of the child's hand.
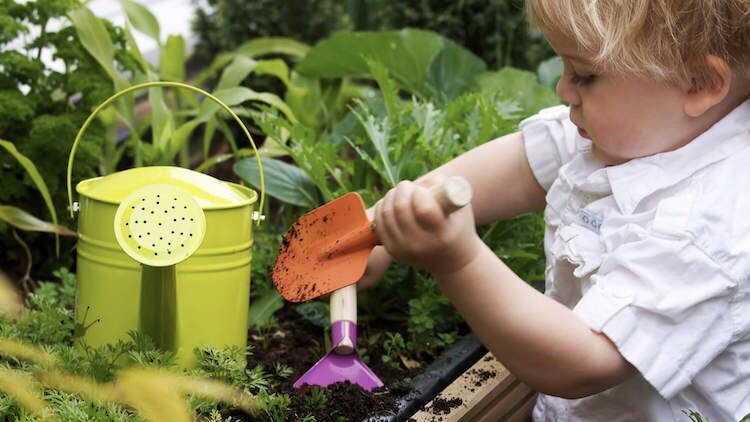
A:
(415, 230)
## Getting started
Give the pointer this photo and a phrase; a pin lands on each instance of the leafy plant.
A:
(41, 106)
(395, 348)
(316, 398)
(74, 382)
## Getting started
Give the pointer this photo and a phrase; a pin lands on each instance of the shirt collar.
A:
(634, 180)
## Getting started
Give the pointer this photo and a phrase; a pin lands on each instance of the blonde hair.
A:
(667, 40)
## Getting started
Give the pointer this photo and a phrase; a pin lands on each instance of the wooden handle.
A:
(452, 194)
(344, 308)
(344, 304)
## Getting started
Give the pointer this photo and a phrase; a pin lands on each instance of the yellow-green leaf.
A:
(19, 218)
(143, 20)
(172, 59)
(238, 95)
(96, 41)
(33, 173)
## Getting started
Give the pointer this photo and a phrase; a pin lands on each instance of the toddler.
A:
(645, 184)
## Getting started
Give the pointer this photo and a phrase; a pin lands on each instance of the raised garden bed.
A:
(463, 384)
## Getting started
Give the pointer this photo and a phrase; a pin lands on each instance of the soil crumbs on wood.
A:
(298, 344)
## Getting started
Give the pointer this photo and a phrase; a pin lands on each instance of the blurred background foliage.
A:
(495, 30)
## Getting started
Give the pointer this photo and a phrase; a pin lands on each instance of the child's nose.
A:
(567, 92)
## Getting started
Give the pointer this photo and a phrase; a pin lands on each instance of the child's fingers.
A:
(384, 218)
(430, 180)
(427, 212)
(397, 216)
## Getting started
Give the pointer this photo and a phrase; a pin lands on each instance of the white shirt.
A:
(655, 254)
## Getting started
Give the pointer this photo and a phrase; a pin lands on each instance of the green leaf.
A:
(273, 45)
(284, 181)
(95, 39)
(135, 50)
(172, 60)
(33, 173)
(274, 67)
(453, 71)
(181, 135)
(304, 97)
(162, 122)
(263, 308)
(143, 20)
(236, 72)
(238, 95)
(19, 218)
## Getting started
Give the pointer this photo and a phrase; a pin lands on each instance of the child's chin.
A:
(606, 158)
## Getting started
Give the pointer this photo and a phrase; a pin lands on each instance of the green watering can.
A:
(165, 251)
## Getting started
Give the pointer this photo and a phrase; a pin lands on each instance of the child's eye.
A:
(582, 80)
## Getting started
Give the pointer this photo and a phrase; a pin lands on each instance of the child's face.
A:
(624, 116)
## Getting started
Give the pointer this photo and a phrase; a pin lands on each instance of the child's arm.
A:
(542, 342)
(502, 183)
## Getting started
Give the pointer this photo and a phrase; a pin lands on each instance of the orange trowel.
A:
(326, 251)
(327, 248)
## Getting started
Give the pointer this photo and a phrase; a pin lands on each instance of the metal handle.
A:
(153, 84)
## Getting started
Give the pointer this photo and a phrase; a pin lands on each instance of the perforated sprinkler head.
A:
(159, 225)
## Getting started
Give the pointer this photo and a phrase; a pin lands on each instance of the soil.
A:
(299, 344)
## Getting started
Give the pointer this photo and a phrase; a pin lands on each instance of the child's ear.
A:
(699, 99)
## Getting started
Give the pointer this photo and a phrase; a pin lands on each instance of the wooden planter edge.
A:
(487, 392)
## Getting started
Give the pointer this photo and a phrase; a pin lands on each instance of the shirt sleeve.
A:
(551, 140)
(666, 305)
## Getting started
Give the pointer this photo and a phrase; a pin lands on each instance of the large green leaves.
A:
(284, 181)
(422, 62)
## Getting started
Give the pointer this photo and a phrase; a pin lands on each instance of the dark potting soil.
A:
(298, 344)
